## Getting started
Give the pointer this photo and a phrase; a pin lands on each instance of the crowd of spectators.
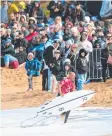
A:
(53, 45)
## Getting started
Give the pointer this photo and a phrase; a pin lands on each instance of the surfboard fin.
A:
(64, 116)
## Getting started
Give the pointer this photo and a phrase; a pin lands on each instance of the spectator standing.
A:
(33, 67)
(56, 8)
(82, 68)
(4, 15)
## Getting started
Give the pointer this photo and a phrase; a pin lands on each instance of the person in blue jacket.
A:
(33, 67)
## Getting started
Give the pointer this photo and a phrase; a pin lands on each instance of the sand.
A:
(14, 95)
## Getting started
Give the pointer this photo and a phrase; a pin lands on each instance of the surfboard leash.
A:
(34, 124)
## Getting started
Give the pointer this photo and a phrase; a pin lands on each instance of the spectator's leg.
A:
(44, 78)
(54, 83)
(49, 80)
(110, 70)
(6, 61)
(30, 83)
(85, 77)
(80, 81)
(104, 74)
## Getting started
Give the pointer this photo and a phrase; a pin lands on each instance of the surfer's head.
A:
(72, 76)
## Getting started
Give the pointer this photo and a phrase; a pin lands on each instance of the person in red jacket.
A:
(67, 85)
(31, 34)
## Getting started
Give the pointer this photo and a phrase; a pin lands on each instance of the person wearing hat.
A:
(82, 68)
(32, 21)
(33, 67)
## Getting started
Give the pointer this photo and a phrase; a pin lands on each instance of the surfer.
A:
(65, 86)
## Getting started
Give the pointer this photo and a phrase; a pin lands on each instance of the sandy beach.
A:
(14, 95)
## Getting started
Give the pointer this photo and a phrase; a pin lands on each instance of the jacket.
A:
(8, 50)
(81, 17)
(82, 63)
(21, 57)
(33, 67)
(30, 36)
(56, 66)
(39, 15)
(48, 54)
(21, 42)
(15, 7)
(57, 5)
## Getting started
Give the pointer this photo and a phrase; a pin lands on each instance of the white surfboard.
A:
(59, 105)
(62, 104)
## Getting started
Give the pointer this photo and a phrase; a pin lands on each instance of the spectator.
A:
(46, 77)
(21, 55)
(8, 48)
(87, 45)
(82, 68)
(56, 8)
(22, 20)
(12, 8)
(32, 33)
(21, 41)
(109, 61)
(14, 32)
(55, 67)
(33, 67)
(104, 58)
(3, 36)
(4, 15)
(58, 21)
(32, 21)
(10, 61)
(79, 14)
(37, 12)
(25, 30)
(66, 69)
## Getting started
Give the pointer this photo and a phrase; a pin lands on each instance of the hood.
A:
(81, 51)
(23, 17)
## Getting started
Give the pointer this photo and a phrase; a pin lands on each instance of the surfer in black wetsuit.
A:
(65, 86)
